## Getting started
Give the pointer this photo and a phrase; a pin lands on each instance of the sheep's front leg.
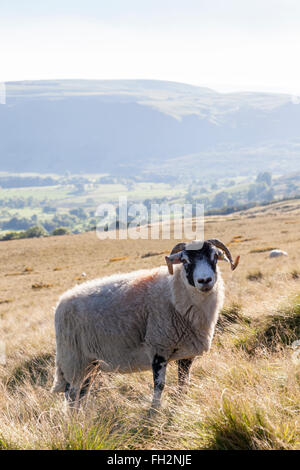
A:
(71, 395)
(184, 367)
(159, 365)
(75, 394)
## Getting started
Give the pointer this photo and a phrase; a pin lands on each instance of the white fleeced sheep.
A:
(141, 320)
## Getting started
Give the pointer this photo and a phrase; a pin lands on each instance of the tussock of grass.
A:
(34, 371)
(147, 255)
(28, 269)
(282, 328)
(295, 274)
(274, 331)
(107, 434)
(6, 301)
(263, 250)
(118, 258)
(230, 316)
(255, 276)
(41, 285)
(240, 426)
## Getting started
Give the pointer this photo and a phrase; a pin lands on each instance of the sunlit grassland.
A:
(244, 394)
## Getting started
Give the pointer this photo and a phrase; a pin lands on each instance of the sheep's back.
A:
(108, 316)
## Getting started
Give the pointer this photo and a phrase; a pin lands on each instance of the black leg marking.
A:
(84, 388)
(70, 394)
(74, 395)
(159, 365)
(184, 366)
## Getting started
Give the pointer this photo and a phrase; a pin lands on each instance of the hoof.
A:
(154, 410)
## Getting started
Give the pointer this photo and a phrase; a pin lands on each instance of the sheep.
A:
(276, 253)
(141, 320)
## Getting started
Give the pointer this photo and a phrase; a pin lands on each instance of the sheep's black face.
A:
(200, 266)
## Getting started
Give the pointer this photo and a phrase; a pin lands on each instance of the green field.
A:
(71, 200)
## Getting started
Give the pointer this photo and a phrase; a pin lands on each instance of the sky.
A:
(227, 45)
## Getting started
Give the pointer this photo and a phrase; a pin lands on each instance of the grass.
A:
(283, 327)
(295, 274)
(244, 393)
(230, 316)
(236, 406)
(255, 276)
(262, 250)
(242, 426)
(274, 331)
(32, 371)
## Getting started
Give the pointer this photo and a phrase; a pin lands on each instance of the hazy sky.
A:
(224, 44)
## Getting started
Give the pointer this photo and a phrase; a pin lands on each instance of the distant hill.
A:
(139, 126)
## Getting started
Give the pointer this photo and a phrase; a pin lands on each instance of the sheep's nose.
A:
(206, 280)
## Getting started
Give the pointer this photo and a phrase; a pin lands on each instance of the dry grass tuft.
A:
(33, 371)
(6, 301)
(244, 426)
(28, 270)
(41, 285)
(263, 250)
(147, 255)
(295, 274)
(229, 316)
(118, 258)
(273, 332)
(255, 276)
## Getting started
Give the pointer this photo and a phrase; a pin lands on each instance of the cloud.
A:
(223, 44)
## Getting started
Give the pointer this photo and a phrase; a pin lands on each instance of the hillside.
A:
(129, 127)
(244, 392)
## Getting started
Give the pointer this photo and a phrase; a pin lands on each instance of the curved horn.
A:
(223, 247)
(177, 248)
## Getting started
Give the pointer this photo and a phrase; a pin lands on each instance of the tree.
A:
(60, 231)
(10, 236)
(35, 232)
(80, 213)
(17, 224)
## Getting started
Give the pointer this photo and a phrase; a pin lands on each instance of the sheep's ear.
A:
(222, 256)
(173, 259)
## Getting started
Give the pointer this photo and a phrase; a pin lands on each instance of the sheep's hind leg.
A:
(184, 367)
(159, 365)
